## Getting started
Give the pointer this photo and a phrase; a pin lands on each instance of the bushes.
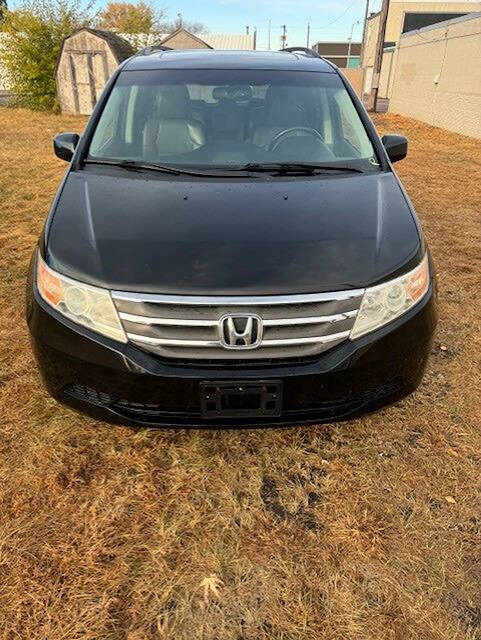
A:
(35, 33)
(3, 9)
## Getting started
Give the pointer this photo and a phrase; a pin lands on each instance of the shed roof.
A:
(119, 46)
(241, 42)
(233, 41)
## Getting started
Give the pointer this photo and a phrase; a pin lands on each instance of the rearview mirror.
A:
(64, 145)
(396, 146)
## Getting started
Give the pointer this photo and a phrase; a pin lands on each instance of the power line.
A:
(341, 15)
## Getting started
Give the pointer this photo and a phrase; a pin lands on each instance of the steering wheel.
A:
(288, 132)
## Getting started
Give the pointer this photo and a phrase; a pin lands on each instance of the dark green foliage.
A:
(3, 9)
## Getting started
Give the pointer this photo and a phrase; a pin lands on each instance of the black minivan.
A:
(230, 245)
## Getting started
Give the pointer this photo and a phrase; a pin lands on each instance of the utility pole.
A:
(308, 34)
(366, 15)
(247, 30)
(255, 38)
(350, 43)
(284, 36)
(379, 51)
(269, 36)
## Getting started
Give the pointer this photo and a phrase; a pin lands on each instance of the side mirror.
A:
(396, 146)
(64, 145)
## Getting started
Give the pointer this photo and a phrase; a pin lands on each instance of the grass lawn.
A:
(368, 530)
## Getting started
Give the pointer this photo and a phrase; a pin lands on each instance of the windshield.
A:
(230, 118)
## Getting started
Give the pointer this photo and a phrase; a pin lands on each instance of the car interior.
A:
(230, 125)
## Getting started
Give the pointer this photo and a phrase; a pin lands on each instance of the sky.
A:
(330, 20)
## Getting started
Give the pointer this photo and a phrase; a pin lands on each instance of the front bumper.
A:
(123, 384)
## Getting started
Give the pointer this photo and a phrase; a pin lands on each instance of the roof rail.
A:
(310, 53)
(152, 48)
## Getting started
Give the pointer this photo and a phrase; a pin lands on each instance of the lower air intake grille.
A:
(89, 395)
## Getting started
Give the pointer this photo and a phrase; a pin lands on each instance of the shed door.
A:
(89, 73)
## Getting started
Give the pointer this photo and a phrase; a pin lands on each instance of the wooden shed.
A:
(87, 59)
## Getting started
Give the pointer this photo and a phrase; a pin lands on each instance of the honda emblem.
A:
(240, 331)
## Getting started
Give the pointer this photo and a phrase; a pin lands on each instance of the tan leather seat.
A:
(284, 110)
(174, 131)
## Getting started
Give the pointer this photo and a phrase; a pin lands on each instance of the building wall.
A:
(342, 62)
(327, 49)
(369, 53)
(395, 23)
(438, 76)
(356, 78)
(336, 52)
(397, 10)
(387, 73)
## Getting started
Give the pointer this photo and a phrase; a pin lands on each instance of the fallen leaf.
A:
(450, 499)
(453, 452)
(212, 584)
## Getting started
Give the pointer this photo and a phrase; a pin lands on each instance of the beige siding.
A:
(438, 77)
(395, 21)
(368, 75)
(387, 73)
(398, 9)
(356, 78)
(369, 53)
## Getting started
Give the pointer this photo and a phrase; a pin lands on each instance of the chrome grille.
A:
(187, 327)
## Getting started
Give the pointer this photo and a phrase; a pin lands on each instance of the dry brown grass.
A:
(369, 530)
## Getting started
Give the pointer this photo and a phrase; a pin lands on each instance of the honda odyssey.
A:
(230, 245)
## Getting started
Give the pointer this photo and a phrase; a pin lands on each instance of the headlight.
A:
(388, 301)
(89, 306)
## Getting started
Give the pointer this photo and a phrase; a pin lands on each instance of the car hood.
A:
(139, 231)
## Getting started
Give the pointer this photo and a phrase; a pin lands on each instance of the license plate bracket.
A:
(234, 399)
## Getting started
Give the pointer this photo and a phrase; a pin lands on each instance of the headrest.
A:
(289, 114)
(175, 102)
(238, 94)
(220, 93)
(279, 94)
(286, 106)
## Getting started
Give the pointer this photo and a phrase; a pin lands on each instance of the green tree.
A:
(35, 31)
(3, 9)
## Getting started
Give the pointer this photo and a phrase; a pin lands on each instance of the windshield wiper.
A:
(134, 164)
(284, 168)
(137, 165)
